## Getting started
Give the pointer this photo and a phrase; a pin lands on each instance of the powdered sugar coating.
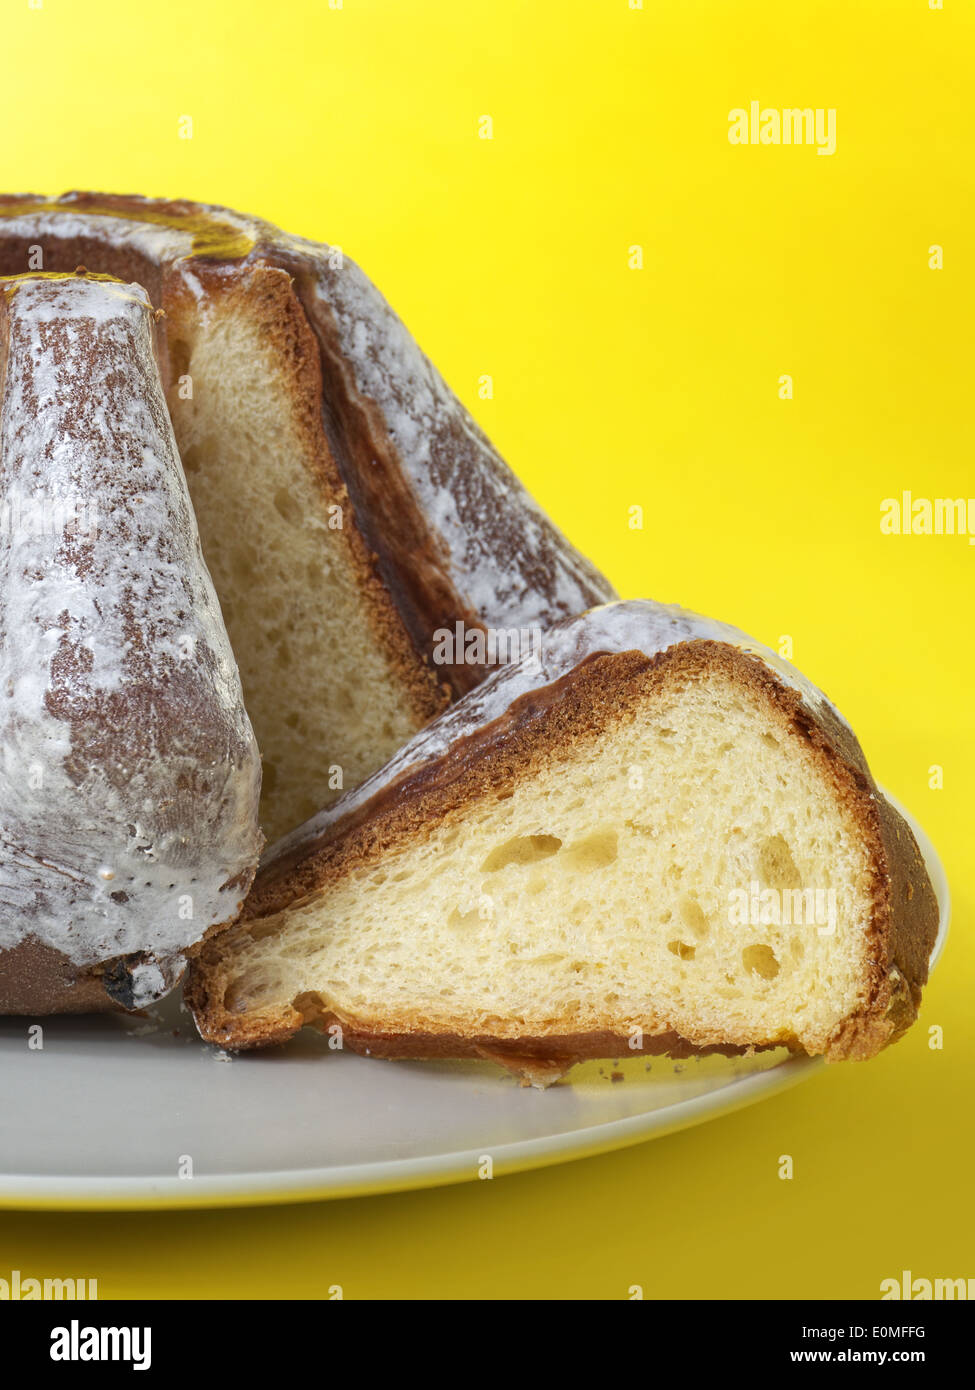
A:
(162, 233)
(628, 625)
(157, 243)
(128, 769)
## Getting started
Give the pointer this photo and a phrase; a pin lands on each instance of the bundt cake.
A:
(349, 507)
(657, 838)
(129, 773)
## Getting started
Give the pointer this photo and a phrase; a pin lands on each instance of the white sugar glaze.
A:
(128, 769)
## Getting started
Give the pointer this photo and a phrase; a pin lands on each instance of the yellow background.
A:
(616, 387)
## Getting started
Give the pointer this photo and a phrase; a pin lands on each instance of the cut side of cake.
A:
(658, 838)
(129, 772)
(350, 508)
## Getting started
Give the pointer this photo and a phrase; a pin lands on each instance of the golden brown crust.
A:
(488, 764)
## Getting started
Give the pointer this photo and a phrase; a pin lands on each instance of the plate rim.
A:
(19, 1192)
(283, 1186)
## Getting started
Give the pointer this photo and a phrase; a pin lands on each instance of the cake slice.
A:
(129, 774)
(657, 838)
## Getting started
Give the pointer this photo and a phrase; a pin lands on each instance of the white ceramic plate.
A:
(112, 1111)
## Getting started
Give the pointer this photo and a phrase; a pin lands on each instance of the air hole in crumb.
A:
(776, 865)
(692, 915)
(288, 507)
(462, 919)
(761, 961)
(524, 849)
(310, 1005)
(681, 950)
(594, 852)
